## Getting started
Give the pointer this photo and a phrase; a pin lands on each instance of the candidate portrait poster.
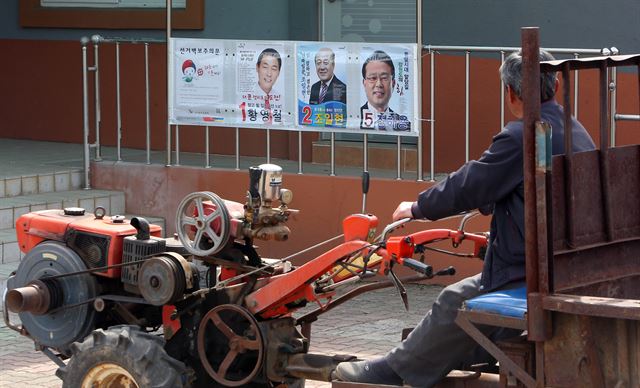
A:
(387, 90)
(322, 85)
(260, 83)
(198, 79)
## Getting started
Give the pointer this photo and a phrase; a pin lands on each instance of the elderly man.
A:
(437, 345)
(329, 87)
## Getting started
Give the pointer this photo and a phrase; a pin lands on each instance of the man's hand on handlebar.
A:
(403, 211)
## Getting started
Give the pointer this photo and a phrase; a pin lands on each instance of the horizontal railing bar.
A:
(619, 116)
(132, 40)
(591, 63)
(429, 47)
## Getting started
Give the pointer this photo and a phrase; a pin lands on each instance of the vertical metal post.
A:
(268, 146)
(146, 96)
(365, 153)
(206, 147)
(85, 113)
(531, 98)
(237, 148)
(399, 159)
(433, 120)
(419, 79)
(320, 20)
(466, 107)
(96, 83)
(333, 154)
(169, 88)
(501, 93)
(613, 86)
(575, 89)
(299, 152)
(118, 106)
(177, 145)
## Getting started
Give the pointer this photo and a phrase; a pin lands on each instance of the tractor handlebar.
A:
(422, 268)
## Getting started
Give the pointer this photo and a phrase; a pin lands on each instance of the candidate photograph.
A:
(328, 87)
(379, 81)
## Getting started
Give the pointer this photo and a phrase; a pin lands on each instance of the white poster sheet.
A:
(304, 86)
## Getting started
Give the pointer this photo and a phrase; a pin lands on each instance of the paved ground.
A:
(366, 326)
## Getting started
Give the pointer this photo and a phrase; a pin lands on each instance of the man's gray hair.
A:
(511, 75)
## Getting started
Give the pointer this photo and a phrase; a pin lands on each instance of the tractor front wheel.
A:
(122, 356)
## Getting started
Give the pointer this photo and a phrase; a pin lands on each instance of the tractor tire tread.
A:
(139, 353)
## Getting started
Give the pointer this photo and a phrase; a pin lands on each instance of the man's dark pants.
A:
(437, 345)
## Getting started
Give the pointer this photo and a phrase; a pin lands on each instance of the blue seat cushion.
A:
(510, 303)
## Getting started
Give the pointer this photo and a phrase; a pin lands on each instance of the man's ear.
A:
(557, 85)
(512, 95)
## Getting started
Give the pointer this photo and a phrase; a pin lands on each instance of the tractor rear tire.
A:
(119, 356)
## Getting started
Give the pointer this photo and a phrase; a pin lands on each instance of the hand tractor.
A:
(126, 307)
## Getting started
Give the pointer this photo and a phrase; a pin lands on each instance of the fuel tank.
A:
(97, 240)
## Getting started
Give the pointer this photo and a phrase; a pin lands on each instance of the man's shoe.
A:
(373, 372)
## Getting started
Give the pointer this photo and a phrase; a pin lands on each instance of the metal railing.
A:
(430, 50)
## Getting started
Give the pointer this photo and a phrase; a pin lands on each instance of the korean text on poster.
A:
(198, 79)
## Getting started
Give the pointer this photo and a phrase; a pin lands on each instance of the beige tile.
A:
(13, 187)
(39, 206)
(62, 181)
(45, 183)
(77, 177)
(18, 211)
(29, 185)
(88, 204)
(6, 218)
(70, 203)
(11, 253)
(117, 204)
(54, 205)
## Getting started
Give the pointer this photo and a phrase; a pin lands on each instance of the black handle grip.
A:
(254, 180)
(365, 182)
(447, 271)
(417, 266)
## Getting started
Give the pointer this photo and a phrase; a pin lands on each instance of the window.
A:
(112, 3)
(111, 14)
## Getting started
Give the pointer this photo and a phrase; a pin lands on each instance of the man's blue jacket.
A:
(497, 179)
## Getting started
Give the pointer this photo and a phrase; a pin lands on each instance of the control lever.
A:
(365, 190)
(450, 271)
(417, 266)
(400, 288)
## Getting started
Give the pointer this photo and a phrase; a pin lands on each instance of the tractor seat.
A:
(507, 309)
(510, 303)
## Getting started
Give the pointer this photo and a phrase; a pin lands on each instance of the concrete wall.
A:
(42, 80)
(323, 203)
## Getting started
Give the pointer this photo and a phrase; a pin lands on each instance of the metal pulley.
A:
(203, 223)
(163, 279)
(40, 302)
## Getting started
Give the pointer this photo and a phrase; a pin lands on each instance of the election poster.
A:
(260, 83)
(198, 80)
(303, 86)
(387, 92)
(321, 85)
